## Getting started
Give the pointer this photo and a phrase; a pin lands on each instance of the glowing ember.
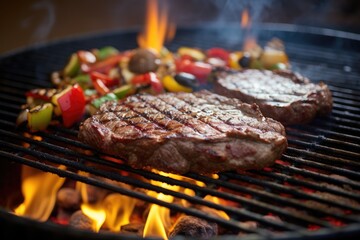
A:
(39, 190)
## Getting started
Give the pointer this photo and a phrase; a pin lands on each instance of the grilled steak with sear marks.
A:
(199, 132)
(282, 95)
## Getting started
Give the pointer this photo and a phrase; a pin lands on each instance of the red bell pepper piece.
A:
(100, 86)
(181, 62)
(218, 53)
(199, 69)
(156, 84)
(108, 81)
(72, 105)
(104, 65)
(148, 78)
(141, 79)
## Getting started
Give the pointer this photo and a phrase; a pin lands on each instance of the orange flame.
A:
(249, 41)
(158, 220)
(96, 213)
(219, 213)
(118, 210)
(112, 212)
(157, 29)
(39, 189)
(245, 19)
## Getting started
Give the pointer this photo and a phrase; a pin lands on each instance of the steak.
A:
(287, 97)
(199, 132)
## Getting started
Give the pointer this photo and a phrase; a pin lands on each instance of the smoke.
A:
(229, 11)
(216, 12)
(43, 18)
(224, 15)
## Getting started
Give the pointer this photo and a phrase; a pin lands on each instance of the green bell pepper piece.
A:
(108, 97)
(83, 80)
(39, 117)
(106, 52)
(73, 66)
(124, 91)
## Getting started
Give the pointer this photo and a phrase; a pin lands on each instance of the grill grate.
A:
(315, 183)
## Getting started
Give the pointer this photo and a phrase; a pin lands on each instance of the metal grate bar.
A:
(319, 176)
(321, 138)
(235, 198)
(134, 182)
(51, 135)
(345, 114)
(319, 157)
(321, 166)
(269, 197)
(317, 146)
(325, 132)
(293, 180)
(273, 186)
(190, 211)
(68, 152)
(345, 107)
(340, 128)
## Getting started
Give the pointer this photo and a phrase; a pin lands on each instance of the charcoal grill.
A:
(315, 185)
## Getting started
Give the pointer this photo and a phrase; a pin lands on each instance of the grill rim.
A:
(96, 35)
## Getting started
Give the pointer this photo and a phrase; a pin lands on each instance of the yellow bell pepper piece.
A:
(271, 57)
(234, 60)
(193, 52)
(171, 85)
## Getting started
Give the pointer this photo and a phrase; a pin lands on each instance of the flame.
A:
(39, 190)
(249, 41)
(113, 211)
(158, 220)
(245, 19)
(219, 213)
(157, 29)
(81, 187)
(95, 212)
(118, 210)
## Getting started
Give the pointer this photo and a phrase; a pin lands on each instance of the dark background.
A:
(24, 23)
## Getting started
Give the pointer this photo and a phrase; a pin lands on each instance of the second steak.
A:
(197, 132)
(282, 95)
